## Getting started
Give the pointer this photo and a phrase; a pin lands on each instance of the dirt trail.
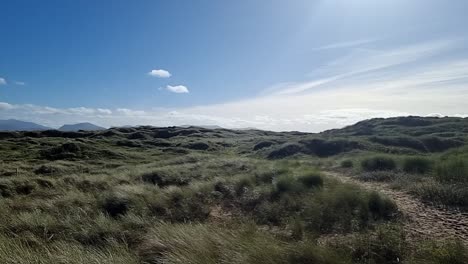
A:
(422, 221)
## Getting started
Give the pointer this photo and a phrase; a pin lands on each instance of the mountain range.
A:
(18, 125)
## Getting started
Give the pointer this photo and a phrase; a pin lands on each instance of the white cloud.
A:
(81, 111)
(130, 112)
(20, 83)
(160, 73)
(5, 106)
(366, 84)
(177, 89)
(104, 111)
(3, 81)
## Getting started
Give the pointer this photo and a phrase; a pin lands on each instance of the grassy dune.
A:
(195, 195)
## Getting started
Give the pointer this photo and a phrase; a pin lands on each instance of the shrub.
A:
(198, 146)
(452, 170)
(285, 151)
(263, 144)
(435, 144)
(164, 178)
(378, 163)
(6, 189)
(446, 194)
(405, 142)
(381, 207)
(46, 169)
(347, 164)
(379, 176)
(242, 183)
(449, 252)
(25, 187)
(115, 204)
(323, 148)
(65, 151)
(286, 183)
(417, 165)
(387, 246)
(312, 179)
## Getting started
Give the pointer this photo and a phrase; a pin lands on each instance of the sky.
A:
(306, 65)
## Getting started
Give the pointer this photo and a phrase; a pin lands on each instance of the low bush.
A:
(380, 176)
(242, 183)
(262, 145)
(311, 179)
(381, 207)
(378, 163)
(346, 164)
(164, 178)
(24, 187)
(115, 204)
(449, 252)
(388, 245)
(6, 189)
(198, 146)
(452, 170)
(287, 184)
(452, 194)
(286, 150)
(46, 169)
(417, 165)
(345, 208)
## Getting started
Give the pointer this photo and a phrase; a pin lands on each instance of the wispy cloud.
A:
(177, 89)
(160, 73)
(409, 80)
(364, 61)
(346, 44)
(20, 83)
(3, 81)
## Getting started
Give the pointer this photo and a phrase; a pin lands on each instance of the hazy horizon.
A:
(301, 65)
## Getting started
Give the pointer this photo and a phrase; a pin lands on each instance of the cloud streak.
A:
(410, 80)
(3, 81)
(346, 44)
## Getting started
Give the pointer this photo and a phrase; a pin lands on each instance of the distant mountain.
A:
(81, 126)
(17, 125)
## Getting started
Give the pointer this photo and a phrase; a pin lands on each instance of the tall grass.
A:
(205, 244)
(419, 165)
(452, 170)
(14, 250)
(378, 163)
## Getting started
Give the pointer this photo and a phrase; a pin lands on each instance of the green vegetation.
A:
(454, 169)
(378, 163)
(347, 164)
(419, 165)
(196, 195)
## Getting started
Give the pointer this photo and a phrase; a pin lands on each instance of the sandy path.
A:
(421, 220)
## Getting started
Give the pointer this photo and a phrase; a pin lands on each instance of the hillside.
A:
(210, 195)
(17, 125)
(81, 126)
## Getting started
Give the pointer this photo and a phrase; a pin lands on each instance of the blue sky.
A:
(279, 65)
